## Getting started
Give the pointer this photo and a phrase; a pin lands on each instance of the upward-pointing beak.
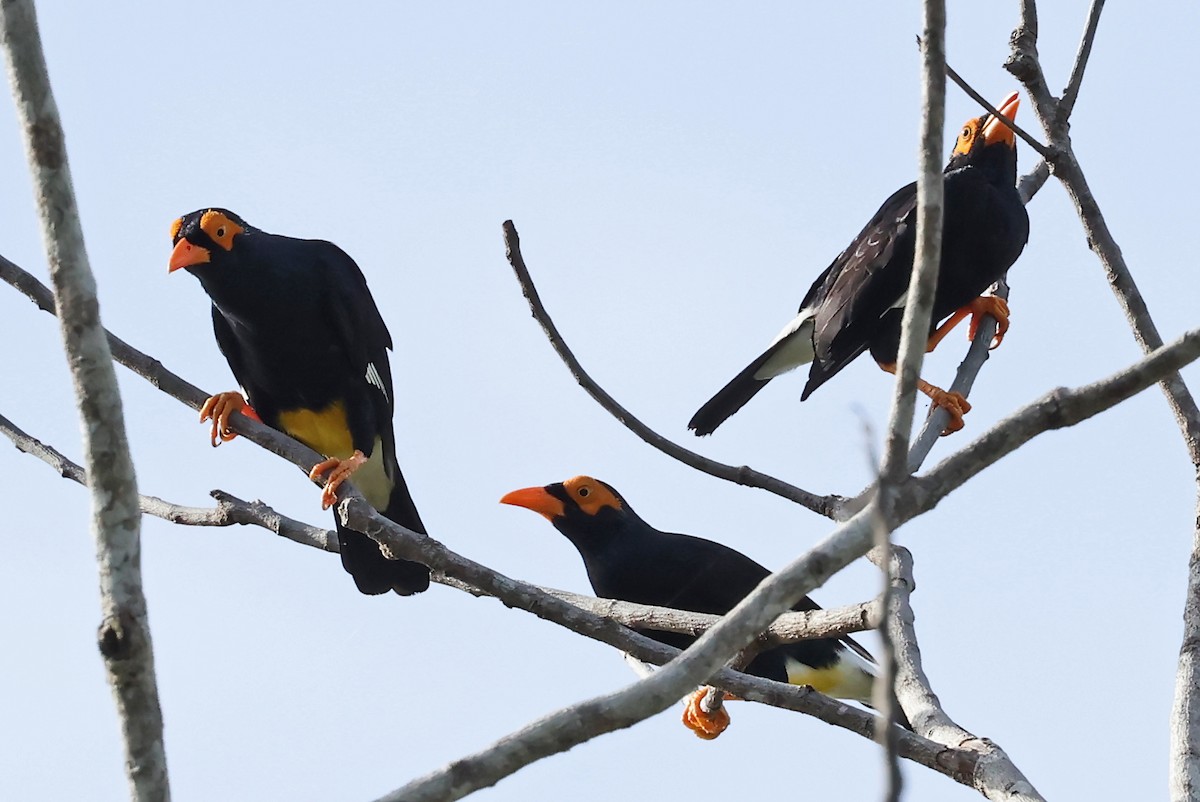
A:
(996, 131)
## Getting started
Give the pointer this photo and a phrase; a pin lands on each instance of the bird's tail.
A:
(362, 558)
(729, 399)
(792, 348)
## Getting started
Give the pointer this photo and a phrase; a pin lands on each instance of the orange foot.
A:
(993, 306)
(952, 402)
(704, 724)
(219, 408)
(339, 471)
(983, 305)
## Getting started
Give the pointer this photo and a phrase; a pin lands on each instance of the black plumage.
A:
(305, 340)
(629, 560)
(857, 303)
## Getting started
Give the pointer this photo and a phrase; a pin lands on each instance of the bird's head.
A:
(988, 143)
(581, 507)
(206, 236)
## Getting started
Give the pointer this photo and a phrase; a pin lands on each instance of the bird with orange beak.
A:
(305, 340)
(857, 304)
(629, 560)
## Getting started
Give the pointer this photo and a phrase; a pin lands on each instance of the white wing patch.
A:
(792, 348)
(375, 380)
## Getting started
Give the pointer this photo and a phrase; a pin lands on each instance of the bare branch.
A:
(914, 331)
(1101, 241)
(1033, 181)
(824, 505)
(826, 559)
(170, 383)
(788, 628)
(1057, 409)
(124, 636)
(230, 510)
(1071, 93)
(928, 249)
(574, 725)
(996, 776)
(1023, 63)
(914, 497)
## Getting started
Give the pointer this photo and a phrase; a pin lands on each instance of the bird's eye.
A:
(584, 492)
(221, 232)
(966, 133)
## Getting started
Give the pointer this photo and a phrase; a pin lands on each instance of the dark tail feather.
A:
(729, 399)
(362, 558)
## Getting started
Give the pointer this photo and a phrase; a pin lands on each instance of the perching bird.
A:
(304, 339)
(858, 302)
(629, 560)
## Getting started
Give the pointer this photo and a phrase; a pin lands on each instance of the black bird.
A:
(857, 303)
(304, 339)
(629, 560)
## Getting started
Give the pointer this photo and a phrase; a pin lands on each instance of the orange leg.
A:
(704, 724)
(339, 471)
(983, 305)
(219, 408)
(946, 328)
(953, 402)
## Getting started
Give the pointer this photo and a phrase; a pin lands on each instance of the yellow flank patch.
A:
(841, 681)
(325, 431)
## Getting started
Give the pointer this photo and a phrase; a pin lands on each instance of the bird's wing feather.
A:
(356, 320)
(866, 280)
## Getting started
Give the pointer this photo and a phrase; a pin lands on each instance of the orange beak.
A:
(186, 254)
(536, 499)
(996, 131)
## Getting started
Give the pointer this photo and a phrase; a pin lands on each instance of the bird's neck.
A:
(236, 289)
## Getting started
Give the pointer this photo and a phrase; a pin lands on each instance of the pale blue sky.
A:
(679, 174)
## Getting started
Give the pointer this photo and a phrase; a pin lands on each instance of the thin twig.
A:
(1043, 151)
(153, 371)
(231, 510)
(823, 505)
(124, 637)
(1071, 93)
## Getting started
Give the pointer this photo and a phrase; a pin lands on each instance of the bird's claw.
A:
(954, 403)
(704, 724)
(218, 408)
(992, 306)
(339, 470)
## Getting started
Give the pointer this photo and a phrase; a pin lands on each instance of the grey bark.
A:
(124, 635)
